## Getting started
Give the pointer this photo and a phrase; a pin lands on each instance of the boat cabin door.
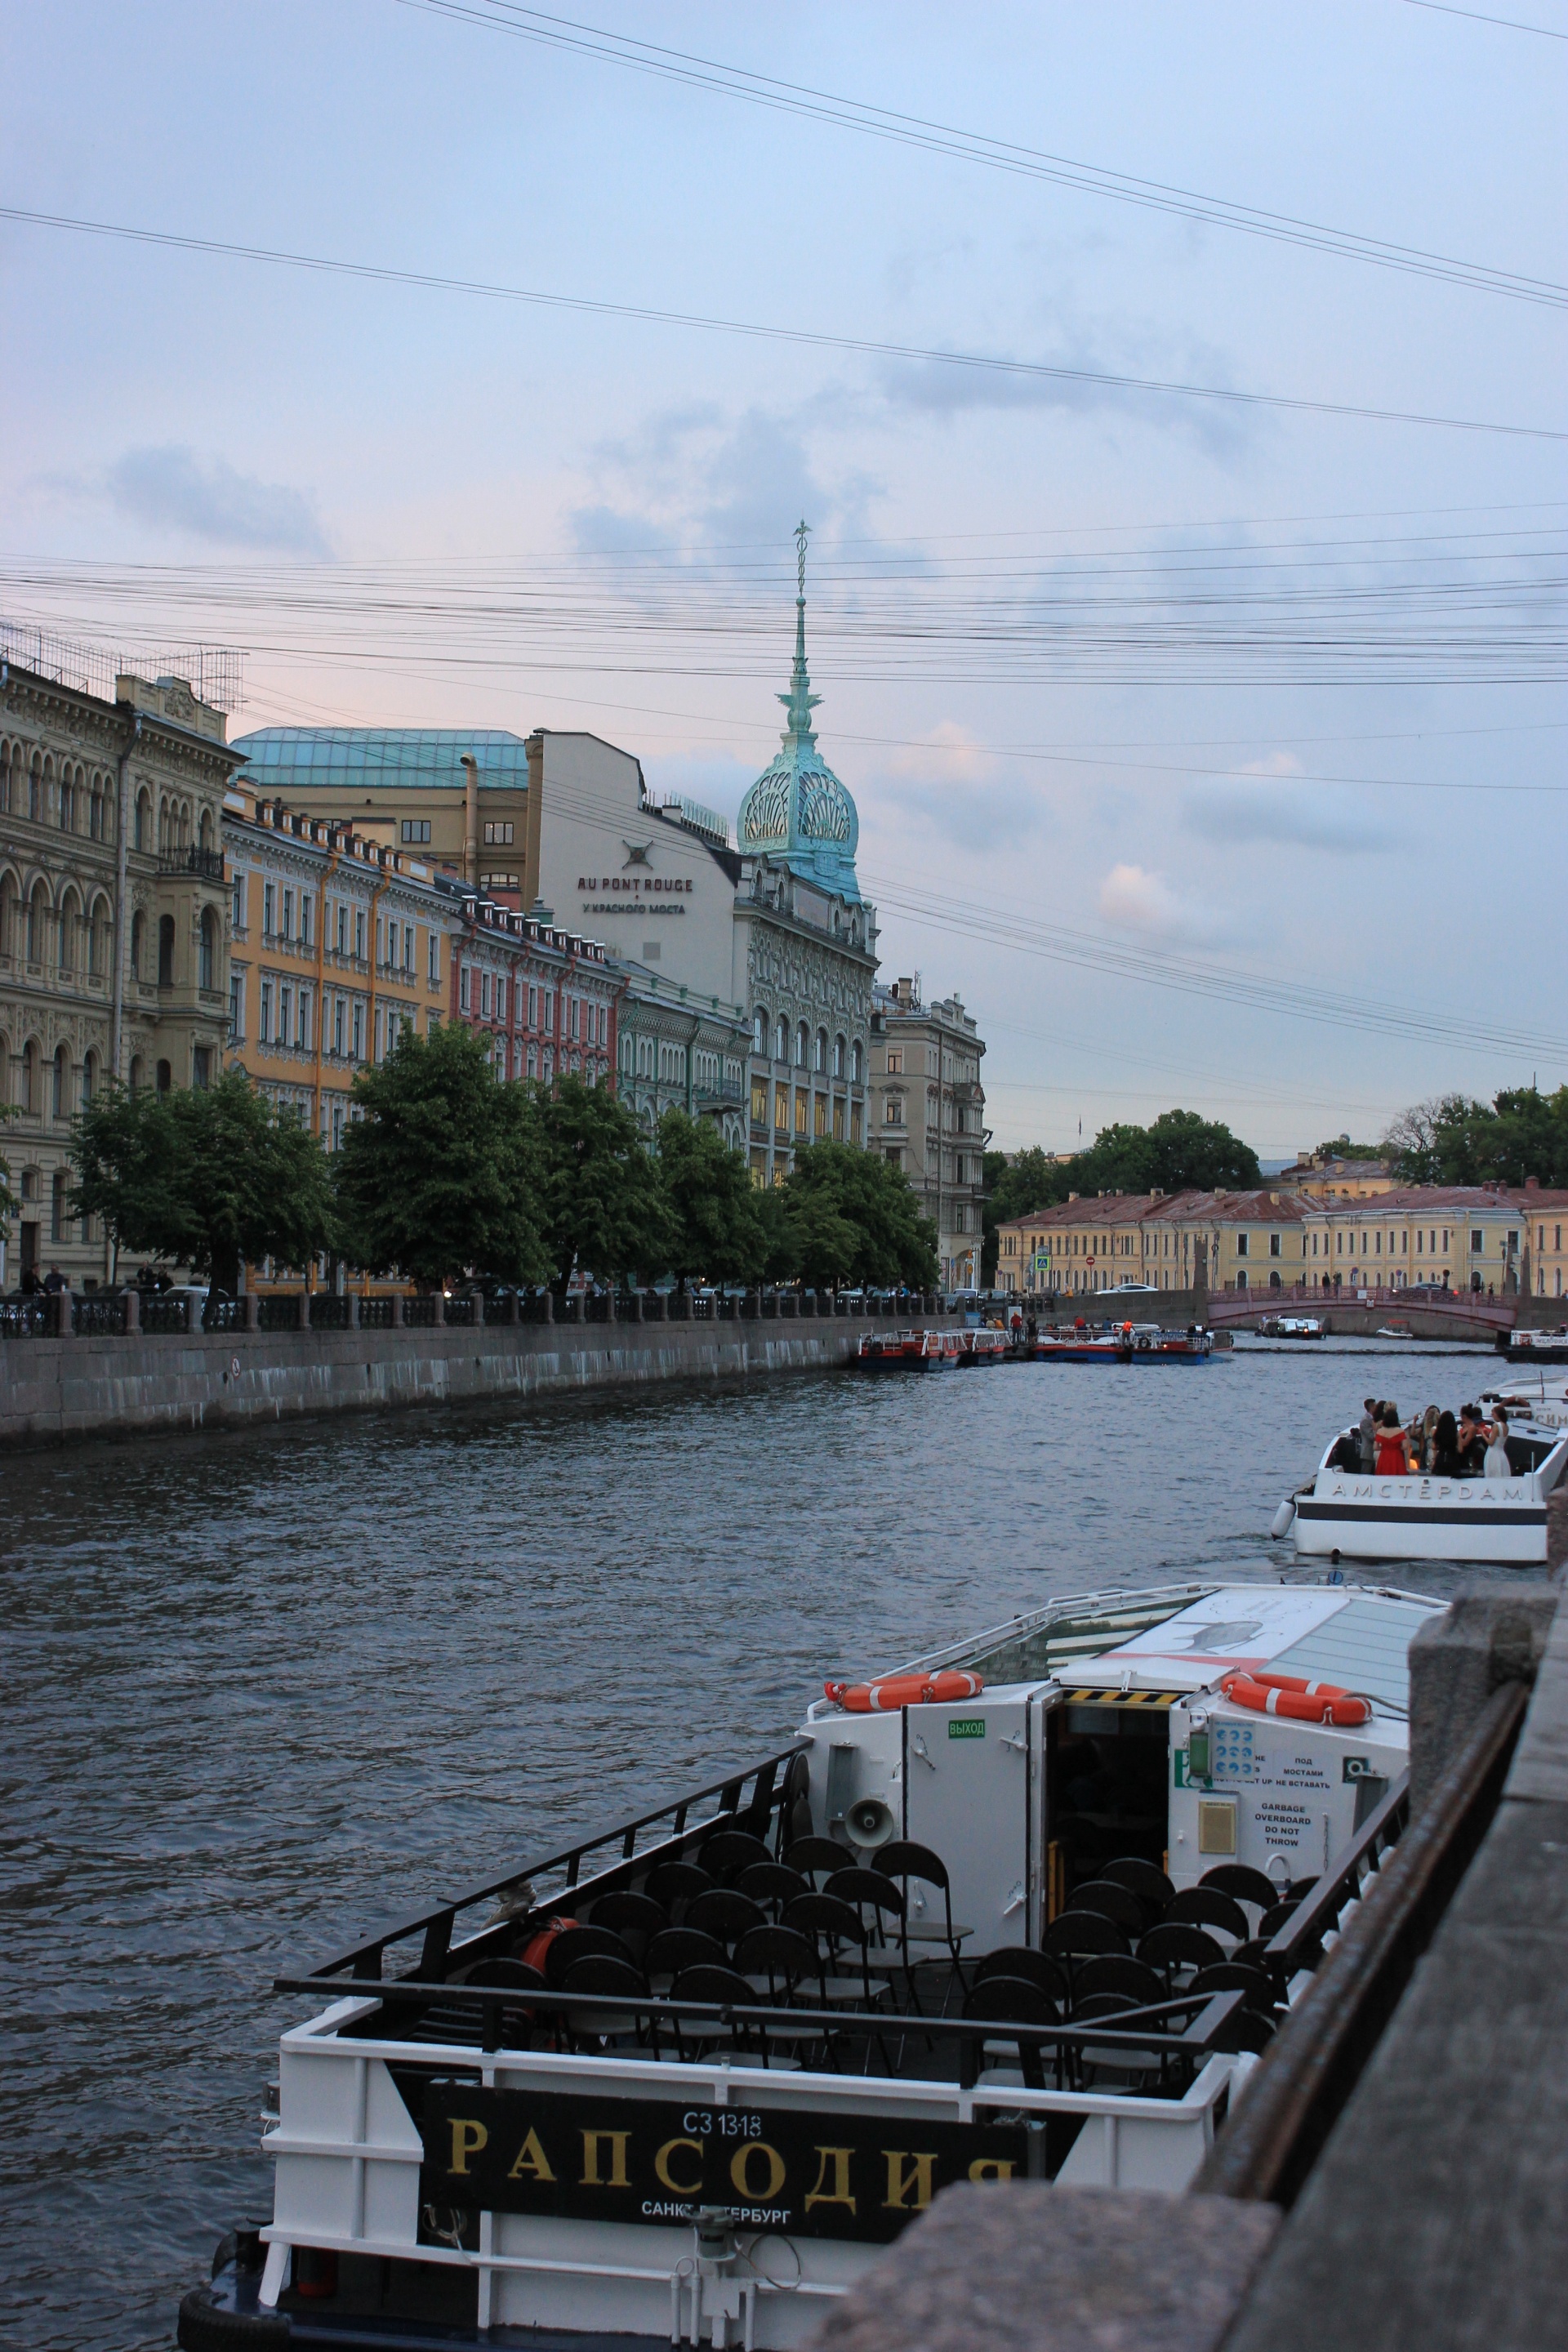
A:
(972, 1774)
(1107, 1786)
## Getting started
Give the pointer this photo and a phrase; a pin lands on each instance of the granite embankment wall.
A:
(54, 1390)
(1344, 1315)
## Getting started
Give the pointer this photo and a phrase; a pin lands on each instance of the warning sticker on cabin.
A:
(607, 2159)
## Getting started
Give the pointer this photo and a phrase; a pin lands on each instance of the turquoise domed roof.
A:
(797, 813)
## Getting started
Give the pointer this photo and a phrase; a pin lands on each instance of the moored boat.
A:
(1030, 1909)
(1535, 1347)
(929, 1351)
(1290, 1327)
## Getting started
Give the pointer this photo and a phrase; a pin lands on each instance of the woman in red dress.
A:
(1392, 1453)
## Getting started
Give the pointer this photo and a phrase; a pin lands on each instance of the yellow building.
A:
(338, 943)
(1495, 1239)
(1231, 1241)
(1321, 1177)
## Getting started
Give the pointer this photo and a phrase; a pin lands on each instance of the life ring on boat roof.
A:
(905, 1690)
(541, 1936)
(1301, 1701)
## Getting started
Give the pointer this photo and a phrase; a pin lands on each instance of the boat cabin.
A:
(682, 2081)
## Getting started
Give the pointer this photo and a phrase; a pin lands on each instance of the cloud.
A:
(954, 785)
(1269, 801)
(171, 488)
(718, 779)
(1132, 898)
(701, 479)
(1091, 348)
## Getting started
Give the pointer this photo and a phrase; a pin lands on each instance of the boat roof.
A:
(1184, 1637)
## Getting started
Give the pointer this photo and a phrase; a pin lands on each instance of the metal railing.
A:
(558, 1875)
(278, 1311)
(328, 1312)
(25, 1318)
(1315, 2060)
(457, 1310)
(223, 1315)
(205, 864)
(419, 1312)
(97, 1315)
(163, 1317)
(376, 1313)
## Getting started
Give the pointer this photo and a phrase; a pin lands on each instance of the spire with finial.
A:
(800, 701)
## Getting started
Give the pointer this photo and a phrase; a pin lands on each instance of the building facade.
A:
(1494, 1240)
(804, 944)
(545, 999)
(113, 949)
(928, 1116)
(454, 799)
(338, 945)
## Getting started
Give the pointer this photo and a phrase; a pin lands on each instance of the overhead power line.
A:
(862, 346)
(721, 79)
(1508, 24)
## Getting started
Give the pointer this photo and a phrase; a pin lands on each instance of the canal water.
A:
(267, 1692)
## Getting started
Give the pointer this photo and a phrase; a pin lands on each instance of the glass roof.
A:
(387, 756)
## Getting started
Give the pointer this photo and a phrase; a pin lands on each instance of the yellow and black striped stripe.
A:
(1124, 1698)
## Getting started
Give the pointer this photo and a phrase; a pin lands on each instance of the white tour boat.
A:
(1028, 1910)
(1355, 1513)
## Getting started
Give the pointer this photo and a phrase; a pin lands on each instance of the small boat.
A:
(1535, 1347)
(1357, 1514)
(1393, 1331)
(656, 2088)
(1150, 1345)
(1290, 1327)
(1079, 1347)
(929, 1351)
(1541, 1396)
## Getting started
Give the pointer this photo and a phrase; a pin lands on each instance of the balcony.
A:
(206, 864)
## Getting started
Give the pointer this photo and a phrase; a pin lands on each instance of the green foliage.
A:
(440, 1175)
(709, 1203)
(602, 1200)
(781, 1242)
(1340, 1147)
(1453, 1141)
(1179, 1153)
(205, 1177)
(856, 1218)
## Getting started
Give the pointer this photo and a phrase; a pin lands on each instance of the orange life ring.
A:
(1302, 1702)
(905, 1690)
(533, 1951)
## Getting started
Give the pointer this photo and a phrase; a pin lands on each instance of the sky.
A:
(1210, 749)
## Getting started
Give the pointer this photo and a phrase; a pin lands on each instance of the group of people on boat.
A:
(1433, 1444)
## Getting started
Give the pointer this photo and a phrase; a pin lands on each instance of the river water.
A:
(269, 1691)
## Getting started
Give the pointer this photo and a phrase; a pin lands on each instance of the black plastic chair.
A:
(1173, 1946)
(904, 1860)
(575, 1944)
(1207, 1906)
(1235, 1975)
(1144, 1879)
(635, 1918)
(724, 1912)
(602, 1972)
(678, 1949)
(1269, 1927)
(1033, 1968)
(782, 1955)
(1083, 1935)
(772, 1884)
(511, 1976)
(1134, 1980)
(1007, 2001)
(1242, 1884)
(817, 1857)
(828, 1922)
(1113, 1901)
(674, 1882)
(730, 1853)
(715, 1986)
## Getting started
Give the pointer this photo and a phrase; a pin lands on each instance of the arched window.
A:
(66, 935)
(38, 923)
(857, 1064)
(144, 818)
(5, 778)
(10, 916)
(206, 829)
(165, 953)
(59, 1093)
(759, 1030)
(59, 1212)
(95, 814)
(781, 1040)
(29, 1102)
(138, 932)
(838, 1057)
(67, 803)
(819, 1051)
(89, 1078)
(165, 1077)
(801, 1047)
(138, 1075)
(208, 948)
(36, 790)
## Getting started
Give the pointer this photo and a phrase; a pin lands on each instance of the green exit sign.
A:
(966, 1726)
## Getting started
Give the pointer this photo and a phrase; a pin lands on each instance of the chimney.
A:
(470, 821)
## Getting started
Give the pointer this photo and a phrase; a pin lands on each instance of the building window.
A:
(781, 1110)
(819, 1115)
(856, 1072)
(359, 1030)
(288, 914)
(780, 1041)
(269, 910)
(759, 1031)
(434, 958)
(802, 1115)
(801, 1047)
(285, 1013)
(416, 828)
(359, 933)
(1274, 1250)
(893, 1112)
(1241, 1244)
(207, 957)
(497, 836)
(165, 950)
(201, 1066)
(236, 910)
(60, 1218)
(484, 996)
(1477, 1240)
(895, 1061)
(819, 1052)
(306, 918)
(163, 1078)
(463, 990)
(236, 1009)
(264, 1018)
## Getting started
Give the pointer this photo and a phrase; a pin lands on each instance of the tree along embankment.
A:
(58, 1390)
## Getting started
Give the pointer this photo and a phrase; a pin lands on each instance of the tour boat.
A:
(1124, 1343)
(1028, 1910)
(1541, 1396)
(1150, 1345)
(1291, 1327)
(929, 1351)
(1357, 1514)
(1535, 1347)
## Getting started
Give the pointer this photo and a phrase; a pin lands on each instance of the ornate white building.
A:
(804, 941)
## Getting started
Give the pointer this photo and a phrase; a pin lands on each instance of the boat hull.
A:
(1498, 1520)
